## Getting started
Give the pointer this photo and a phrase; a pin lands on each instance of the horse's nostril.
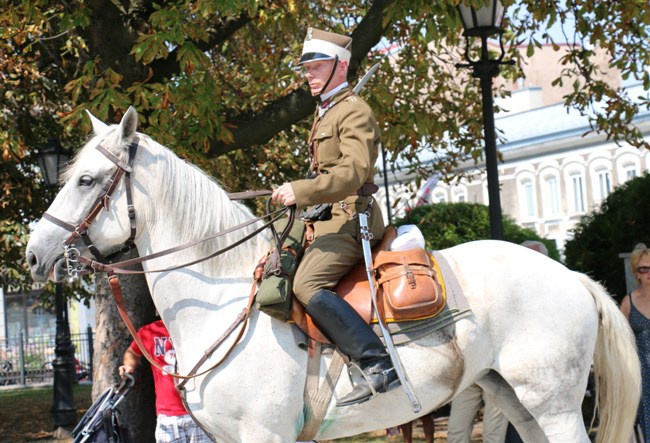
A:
(32, 260)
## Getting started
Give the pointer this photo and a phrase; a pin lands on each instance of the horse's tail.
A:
(617, 370)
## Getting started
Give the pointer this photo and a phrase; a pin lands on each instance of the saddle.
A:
(408, 284)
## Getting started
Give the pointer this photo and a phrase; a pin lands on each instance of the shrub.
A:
(444, 225)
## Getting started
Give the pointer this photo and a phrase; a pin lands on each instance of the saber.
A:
(365, 78)
(366, 236)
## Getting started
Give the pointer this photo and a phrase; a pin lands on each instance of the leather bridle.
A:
(77, 265)
(74, 259)
(81, 230)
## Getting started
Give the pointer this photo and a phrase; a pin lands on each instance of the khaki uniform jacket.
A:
(348, 140)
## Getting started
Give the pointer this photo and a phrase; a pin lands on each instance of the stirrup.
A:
(386, 382)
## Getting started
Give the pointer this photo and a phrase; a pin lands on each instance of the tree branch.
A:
(258, 127)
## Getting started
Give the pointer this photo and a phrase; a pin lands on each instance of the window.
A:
(604, 183)
(630, 174)
(629, 171)
(459, 196)
(551, 196)
(439, 197)
(578, 193)
(528, 198)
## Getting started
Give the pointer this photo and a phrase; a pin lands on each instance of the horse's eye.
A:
(86, 180)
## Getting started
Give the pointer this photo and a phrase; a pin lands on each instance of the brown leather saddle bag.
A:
(408, 288)
(407, 282)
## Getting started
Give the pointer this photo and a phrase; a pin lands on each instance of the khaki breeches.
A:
(326, 260)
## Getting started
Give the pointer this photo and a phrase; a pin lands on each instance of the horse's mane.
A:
(199, 202)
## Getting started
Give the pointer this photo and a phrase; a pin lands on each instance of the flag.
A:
(424, 191)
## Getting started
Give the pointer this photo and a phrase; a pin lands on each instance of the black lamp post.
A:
(485, 23)
(51, 158)
(389, 213)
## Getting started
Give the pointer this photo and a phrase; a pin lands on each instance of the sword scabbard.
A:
(366, 236)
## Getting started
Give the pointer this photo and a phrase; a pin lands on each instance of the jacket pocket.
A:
(329, 149)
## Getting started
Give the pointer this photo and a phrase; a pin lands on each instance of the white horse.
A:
(535, 329)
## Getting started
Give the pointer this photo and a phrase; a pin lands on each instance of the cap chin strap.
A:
(329, 79)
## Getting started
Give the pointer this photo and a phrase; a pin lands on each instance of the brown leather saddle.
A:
(410, 288)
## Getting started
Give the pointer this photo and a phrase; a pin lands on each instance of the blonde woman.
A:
(636, 307)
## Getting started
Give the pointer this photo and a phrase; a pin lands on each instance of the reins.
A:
(118, 268)
(242, 317)
(81, 232)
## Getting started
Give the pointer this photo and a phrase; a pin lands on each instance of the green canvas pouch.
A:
(274, 295)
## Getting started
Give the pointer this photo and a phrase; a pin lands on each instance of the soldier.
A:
(343, 149)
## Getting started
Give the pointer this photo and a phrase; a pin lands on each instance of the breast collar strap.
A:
(81, 230)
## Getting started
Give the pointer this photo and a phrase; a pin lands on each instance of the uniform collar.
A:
(332, 93)
(328, 100)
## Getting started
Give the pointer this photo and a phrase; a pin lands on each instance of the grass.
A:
(26, 414)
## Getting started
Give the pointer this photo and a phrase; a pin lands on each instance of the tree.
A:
(216, 81)
(444, 225)
(138, 411)
(614, 228)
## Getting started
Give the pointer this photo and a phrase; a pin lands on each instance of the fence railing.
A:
(28, 361)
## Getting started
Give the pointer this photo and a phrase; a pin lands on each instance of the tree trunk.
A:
(112, 338)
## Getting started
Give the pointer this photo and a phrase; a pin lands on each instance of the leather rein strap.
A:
(242, 319)
(118, 268)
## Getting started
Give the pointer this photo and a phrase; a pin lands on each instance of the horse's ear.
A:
(129, 123)
(98, 125)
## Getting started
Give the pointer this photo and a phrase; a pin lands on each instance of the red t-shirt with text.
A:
(157, 342)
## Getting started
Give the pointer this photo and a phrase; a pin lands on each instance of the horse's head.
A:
(87, 215)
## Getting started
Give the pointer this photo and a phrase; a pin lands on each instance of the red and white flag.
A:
(425, 190)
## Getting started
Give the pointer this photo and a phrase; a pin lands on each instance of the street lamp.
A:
(485, 23)
(51, 158)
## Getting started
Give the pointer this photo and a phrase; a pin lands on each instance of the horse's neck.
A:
(184, 205)
(177, 204)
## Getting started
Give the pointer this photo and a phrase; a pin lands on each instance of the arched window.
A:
(551, 195)
(577, 192)
(439, 197)
(629, 171)
(603, 184)
(459, 195)
(527, 200)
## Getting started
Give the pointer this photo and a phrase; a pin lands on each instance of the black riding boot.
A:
(343, 326)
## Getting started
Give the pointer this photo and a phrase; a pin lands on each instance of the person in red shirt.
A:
(173, 424)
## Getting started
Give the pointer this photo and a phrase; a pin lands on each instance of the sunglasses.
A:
(643, 269)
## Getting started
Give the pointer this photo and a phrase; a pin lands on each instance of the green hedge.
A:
(444, 225)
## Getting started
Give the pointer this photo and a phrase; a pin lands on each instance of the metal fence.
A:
(28, 361)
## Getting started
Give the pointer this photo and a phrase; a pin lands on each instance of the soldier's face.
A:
(317, 73)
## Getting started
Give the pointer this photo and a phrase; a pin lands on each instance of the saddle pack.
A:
(408, 283)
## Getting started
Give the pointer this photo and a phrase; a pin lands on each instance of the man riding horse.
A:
(343, 149)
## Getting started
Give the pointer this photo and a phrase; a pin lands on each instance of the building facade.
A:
(552, 170)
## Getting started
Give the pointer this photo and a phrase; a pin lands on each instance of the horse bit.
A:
(71, 254)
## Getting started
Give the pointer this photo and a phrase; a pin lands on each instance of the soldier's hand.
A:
(284, 194)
